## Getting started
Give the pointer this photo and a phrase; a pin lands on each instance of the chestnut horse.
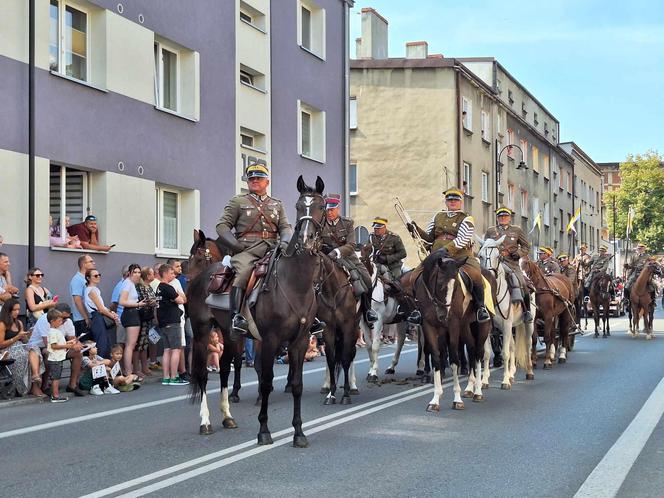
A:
(641, 302)
(553, 295)
(600, 298)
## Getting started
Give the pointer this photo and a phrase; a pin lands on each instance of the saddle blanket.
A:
(488, 298)
(223, 302)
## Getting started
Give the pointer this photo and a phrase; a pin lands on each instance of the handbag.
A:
(108, 321)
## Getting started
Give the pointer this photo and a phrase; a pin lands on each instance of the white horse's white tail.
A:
(523, 347)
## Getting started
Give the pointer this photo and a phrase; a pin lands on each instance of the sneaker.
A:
(58, 399)
(96, 390)
(76, 390)
(210, 368)
(177, 381)
(165, 382)
(155, 366)
(185, 376)
(111, 390)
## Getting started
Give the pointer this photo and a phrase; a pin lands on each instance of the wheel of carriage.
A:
(572, 339)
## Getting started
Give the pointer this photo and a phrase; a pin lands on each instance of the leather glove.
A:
(381, 258)
(283, 245)
(411, 227)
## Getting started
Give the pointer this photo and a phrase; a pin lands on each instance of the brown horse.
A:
(600, 298)
(641, 302)
(553, 294)
(446, 314)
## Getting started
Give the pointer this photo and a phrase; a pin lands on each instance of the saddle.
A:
(222, 279)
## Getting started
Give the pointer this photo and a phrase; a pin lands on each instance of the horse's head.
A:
(440, 263)
(655, 268)
(366, 256)
(310, 209)
(490, 252)
(199, 254)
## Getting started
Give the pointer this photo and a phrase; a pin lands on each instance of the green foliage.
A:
(642, 187)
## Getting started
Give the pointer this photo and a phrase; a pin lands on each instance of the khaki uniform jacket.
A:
(391, 246)
(445, 229)
(341, 235)
(515, 243)
(569, 271)
(549, 266)
(635, 266)
(599, 263)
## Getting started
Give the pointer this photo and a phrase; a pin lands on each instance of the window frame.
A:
(485, 186)
(352, 113)
(248, 76)
(63, 193)
(468, 178)
(317, 19)
(159, 77)
(62, 68)
(511, 190)
(353, 173)
(467, 113)
(159, 243)
(317, 132)
(484, 118)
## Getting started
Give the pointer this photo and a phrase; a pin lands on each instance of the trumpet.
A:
(422, 245)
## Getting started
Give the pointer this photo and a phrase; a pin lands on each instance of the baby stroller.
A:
(6, 379)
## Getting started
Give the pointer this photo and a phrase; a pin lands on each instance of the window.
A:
(535, 120)
(485, 125)
(252, 78)
(536, 167)
(569, 182)
(252, 139)
(311, 27)
(467, 183)
(353, 113)
(166, 66)
(68, 189)
(524, 111)
(252, 16)
(68, 40)
(467, 113)
(311, 131)
(246, 78)
(510, 141)
(536, 207)
(499, 124)
(510, 196)
(361, 236)
(547, 214)
(245, 17)
(546, 128)
(524, 148)
(168, 218)
(352, 179)
(524, 203)
(510, 96)
(247, 140)
(485, 186)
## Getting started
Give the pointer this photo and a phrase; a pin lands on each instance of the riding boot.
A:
(239, 324)
(370, 316)
(478, 296)
(317, 327)
(527, 315)
(497, 347)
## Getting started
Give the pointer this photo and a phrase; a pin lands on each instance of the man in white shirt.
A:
(182, 369)
(39, 338)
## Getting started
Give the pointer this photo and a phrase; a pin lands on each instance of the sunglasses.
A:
(95, 276)
(38, 274)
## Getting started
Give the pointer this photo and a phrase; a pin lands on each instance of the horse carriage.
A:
(616, 306)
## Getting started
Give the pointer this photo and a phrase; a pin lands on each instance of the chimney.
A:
(417, 50)
(373, 44)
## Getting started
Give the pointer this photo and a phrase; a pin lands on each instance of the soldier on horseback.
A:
(546, 262)
(338, 242)
(388, 250)
(634, 268)
(566, 268)
(453, 231)
(599, 263)
(514, 247)
(259, 223)
(582, 260)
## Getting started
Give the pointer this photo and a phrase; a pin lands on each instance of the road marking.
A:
(607, 478)
(327, 422)
(150, 404)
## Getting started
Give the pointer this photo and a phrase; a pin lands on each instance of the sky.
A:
(597, 66)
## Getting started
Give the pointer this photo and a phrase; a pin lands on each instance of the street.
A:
(543, 438)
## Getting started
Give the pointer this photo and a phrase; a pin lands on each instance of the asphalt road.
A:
(570, 431)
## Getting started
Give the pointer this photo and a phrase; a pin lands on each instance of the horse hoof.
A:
(547, 366)
(229, 423)
(562, 360)
(467, 394)
(530, 376)
(458, 405)
(234, 398)
(478, 398)
(419, 373)
(346, 400)
(288, 388)
(330, 400)
(324, 390)
(596, 335)
(300, 442)
(433, 408)
(205, 430)
(354, 391)
(389, 371)
(264, 438)
(373, 379)
(485, 386)
(426, 379)
(506, 386)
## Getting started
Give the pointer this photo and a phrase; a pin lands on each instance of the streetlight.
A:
(499, 165)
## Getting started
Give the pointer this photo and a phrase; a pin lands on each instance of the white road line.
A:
(150, 404)
(327, 421)
(607, 478)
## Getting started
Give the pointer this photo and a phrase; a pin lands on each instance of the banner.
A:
(630, 221)
(575, 218)
(537, 223)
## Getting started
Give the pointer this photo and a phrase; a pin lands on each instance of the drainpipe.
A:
(31, 136)
(345, 65)
(457, 87)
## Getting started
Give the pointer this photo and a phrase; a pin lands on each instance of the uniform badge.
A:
(454, 224)
(512, 238)
(248, 212)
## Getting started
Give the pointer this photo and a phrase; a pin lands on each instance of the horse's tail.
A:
(199, 371)
(522, 347)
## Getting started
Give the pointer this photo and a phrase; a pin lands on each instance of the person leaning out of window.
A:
(38, 299)
(88, 233)
(94, 305)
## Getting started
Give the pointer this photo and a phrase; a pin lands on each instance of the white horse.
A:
(516, 350)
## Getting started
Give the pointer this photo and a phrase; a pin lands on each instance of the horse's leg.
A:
(258, 365)
(353, 381)
(596, 317)
(421, 357)
(373, 347)
(431, 345)
(237, 374)
(508, 357)
(401, 338)
(296, 352)
(563, 330)
(331, 358)
(585, 314)
(486, 371)
(549, 341)
(347, 357)
(266, 357)
(206, 426)
(224, 373)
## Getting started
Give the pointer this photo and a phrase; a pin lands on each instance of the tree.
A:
(641, 187)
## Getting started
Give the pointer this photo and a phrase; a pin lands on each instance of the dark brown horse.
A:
(641, 301)
(553, 295)
(283, 313)
(600, 299)
(447, 314)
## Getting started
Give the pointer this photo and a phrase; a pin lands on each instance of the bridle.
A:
(303, 222)
(496, 273)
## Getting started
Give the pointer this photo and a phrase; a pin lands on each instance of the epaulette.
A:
(470, 219)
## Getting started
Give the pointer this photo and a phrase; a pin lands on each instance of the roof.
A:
(401, 63)
(580, 152)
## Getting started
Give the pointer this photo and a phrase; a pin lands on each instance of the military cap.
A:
(378, 222)
(504, 210)
(584, 246)
(562, 256)
(453, 194)
(332, 201)
(545, 250)
(603, 249)
(641, 245)
(257, 171)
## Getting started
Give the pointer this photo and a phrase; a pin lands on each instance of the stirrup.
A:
(483, 315)
(527, 317)
(317, 328)
(415, 317)
(239, 327)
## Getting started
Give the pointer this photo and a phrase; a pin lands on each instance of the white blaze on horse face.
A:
(450, 292)
(224, 405)
(204, 413)
(308, 202)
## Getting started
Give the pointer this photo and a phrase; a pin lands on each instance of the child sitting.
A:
(57, 353)
(215, 349)
(100, 385)
(312, 350)
(124, 383)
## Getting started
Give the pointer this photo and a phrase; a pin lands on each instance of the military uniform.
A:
(583, 260)
(598, 264)
(549, 266)
(515, 243)
(389, 251)
(634, 267)
(259, 222)
(569, 271)
(340, 235)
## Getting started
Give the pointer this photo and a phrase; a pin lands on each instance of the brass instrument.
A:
(422, 245)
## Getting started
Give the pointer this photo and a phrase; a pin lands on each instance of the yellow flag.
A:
(577, 215)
